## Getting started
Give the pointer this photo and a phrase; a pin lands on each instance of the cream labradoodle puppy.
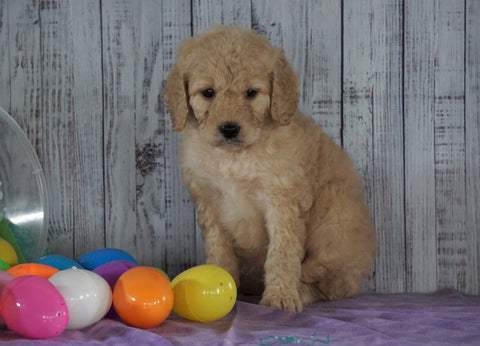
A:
(279, 203)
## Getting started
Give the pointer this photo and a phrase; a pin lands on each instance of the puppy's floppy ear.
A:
(284, 89)
(177, 99)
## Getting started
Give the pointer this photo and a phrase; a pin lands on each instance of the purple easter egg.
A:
(111, 271)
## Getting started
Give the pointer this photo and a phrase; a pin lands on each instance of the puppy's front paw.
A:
(287, 299)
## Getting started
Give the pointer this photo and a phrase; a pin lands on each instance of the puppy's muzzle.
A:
(229, 130)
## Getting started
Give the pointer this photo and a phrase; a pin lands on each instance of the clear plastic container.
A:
(23, 191)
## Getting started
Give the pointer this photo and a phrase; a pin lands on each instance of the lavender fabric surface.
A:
(443, 318)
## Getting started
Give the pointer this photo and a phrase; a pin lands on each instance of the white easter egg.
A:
(88, 296)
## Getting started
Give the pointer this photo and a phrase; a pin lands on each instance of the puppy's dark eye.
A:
(251, 93)
(208, 93)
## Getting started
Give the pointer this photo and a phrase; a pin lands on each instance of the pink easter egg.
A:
(33, 307)
(5, 278)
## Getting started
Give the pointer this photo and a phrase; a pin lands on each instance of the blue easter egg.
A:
(60, 262)
(96, 258)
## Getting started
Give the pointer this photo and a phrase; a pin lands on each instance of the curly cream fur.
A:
(280, 207)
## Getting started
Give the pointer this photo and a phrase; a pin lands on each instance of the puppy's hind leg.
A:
(310, 293)
(328, 284)
(340, 284)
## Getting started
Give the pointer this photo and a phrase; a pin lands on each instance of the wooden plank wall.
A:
(396, 82)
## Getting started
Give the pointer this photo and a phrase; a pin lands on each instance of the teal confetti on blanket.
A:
(292, 339)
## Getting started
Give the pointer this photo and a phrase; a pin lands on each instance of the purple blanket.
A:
(369, 319)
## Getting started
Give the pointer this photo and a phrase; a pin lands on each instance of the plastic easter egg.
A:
(33, 269)
(33, 307)
(3, 265)
(5, 278)
(59, 262)
(204, 293)
(161, 271)
(87, 295)
(143, 297)
(96, 258)
(7, 253)
(111, 271)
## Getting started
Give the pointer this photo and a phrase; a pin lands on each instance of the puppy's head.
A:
(229, 84)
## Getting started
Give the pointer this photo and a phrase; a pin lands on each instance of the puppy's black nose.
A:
(229, 130)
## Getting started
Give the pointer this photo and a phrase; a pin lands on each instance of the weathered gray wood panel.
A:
(119, 123)
(86, 154)
(4, 56)
(472, 147)
(396, 82)
(449, 95)
(208, 12)
(419, 149)
(182, 243)
(373, 125)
